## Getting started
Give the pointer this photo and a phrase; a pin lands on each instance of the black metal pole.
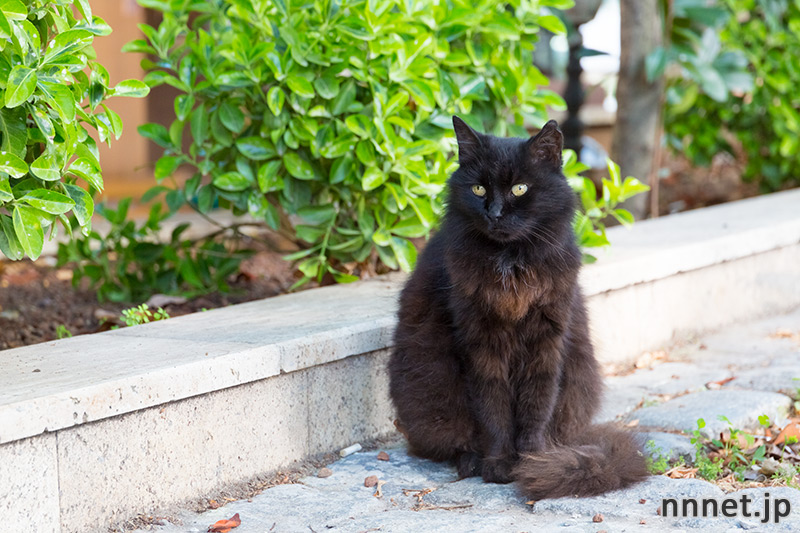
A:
(574, 96)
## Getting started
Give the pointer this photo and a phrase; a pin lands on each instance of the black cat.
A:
(492, 366)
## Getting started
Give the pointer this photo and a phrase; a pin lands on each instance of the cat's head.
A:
(510, 189)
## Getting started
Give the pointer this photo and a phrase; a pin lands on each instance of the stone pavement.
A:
(665, 396)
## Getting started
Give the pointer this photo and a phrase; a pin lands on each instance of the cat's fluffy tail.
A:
(602, 459)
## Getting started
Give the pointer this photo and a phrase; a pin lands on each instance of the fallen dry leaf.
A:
(791, 430)
(597, 518)
(383, 456)
(643, 521)
(632, 423)
(370, 481)
(213, 504)
(714, 385)
(223, 526)
(642, 500)
(681, 472)
(418, 493)
(324, 472)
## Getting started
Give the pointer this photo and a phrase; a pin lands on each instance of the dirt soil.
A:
(36, 299)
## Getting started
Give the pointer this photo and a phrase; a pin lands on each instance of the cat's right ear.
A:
(469, 141)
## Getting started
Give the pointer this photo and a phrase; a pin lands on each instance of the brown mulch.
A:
(35, 299)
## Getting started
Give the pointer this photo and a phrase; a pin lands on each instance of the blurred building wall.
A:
(127, 170)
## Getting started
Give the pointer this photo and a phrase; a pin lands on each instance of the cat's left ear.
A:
(546, 146)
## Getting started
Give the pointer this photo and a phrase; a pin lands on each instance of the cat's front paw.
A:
(468, 465)
(497, 470)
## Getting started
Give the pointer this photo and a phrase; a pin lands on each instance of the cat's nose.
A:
(495, 211)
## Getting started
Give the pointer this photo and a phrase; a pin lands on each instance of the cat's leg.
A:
(537, 392)
(491, 400)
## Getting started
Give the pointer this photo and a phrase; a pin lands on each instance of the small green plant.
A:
(706, 467)
(62, 332)
(53, 90)
(142, 315)
(131, 262)
(589, 226)
(657, 462)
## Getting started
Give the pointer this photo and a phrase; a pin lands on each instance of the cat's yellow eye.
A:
(519, 189)
(479, 190)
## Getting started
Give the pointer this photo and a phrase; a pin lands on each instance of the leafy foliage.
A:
(53, 90)
(765, 119)
(131, 261)
(142, 314)
(331, 121)
(695, 60)
(590, 228)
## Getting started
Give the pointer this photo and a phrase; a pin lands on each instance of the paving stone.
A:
(670, 378)
(618, 401)
(674, 447)
(783, 379)
(742, 408)
(341, 503)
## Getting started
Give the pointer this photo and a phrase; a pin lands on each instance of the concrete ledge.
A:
(139, 418)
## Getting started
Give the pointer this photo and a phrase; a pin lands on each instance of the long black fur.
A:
(492, 366)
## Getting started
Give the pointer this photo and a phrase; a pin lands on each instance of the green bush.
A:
(764, 121)
(331, 121)
(53, 88)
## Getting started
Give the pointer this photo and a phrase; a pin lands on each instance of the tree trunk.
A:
(639, 102)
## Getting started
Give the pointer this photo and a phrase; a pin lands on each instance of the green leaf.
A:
(13, 165)
(275, 99)
(13, 131)
(318, 214)
(46, 167)
(552, 23)
(67, 43)
(20, 85)
(405, 253)
(300, 86)
(14, 9)
(231, 181)
(298, 167)
(60, 98)
(344, 99)
(51, 202)
(130, 88)
(9, 244)
(89, 171)
(327, 87)
(358, 124)
(255, 148)
(156, 133)
(372, 178)
(166, 166)
(198, 124)
(28, 228)
(268, 179)
(231, 117)
(84, 205)
(5, 190)
(655, 63)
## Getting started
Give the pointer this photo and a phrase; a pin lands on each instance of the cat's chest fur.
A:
(503, 284)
